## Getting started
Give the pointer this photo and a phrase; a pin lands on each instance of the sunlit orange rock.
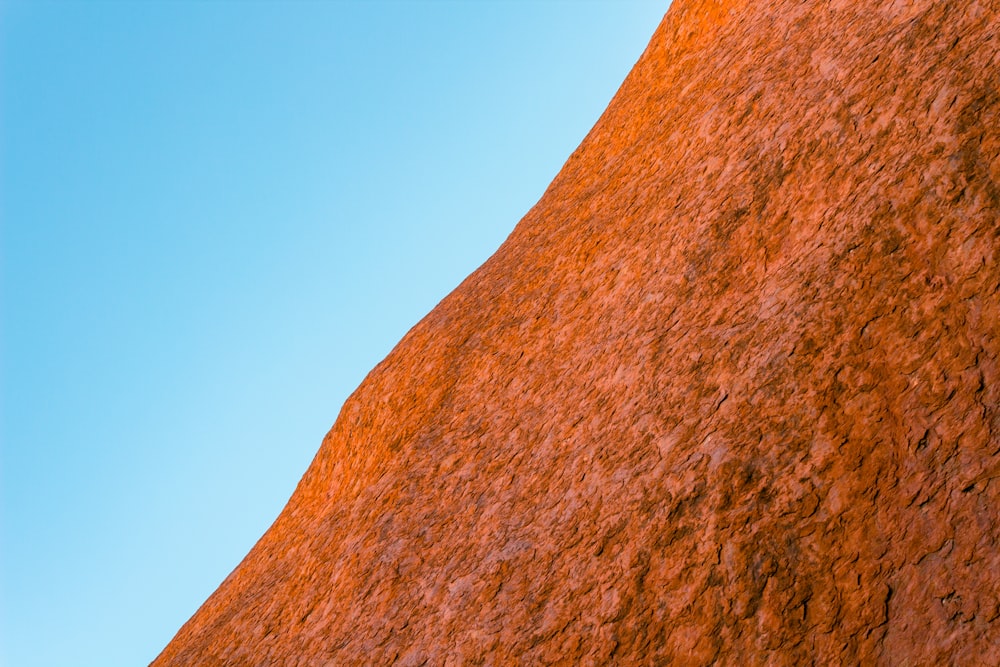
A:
(730, 393)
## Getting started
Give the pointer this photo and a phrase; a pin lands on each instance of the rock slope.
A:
(729, 393)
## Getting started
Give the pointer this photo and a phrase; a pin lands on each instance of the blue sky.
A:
(217, 217)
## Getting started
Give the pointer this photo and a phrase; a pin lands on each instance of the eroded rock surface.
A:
(730, 393)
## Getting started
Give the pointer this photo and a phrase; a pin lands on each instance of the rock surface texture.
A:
(729, 393)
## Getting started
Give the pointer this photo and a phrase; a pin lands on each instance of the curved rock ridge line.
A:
(728, 394)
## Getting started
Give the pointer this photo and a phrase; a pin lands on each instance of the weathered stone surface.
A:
(729, 393)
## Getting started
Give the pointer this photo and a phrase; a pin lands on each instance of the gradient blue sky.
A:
(216, 219)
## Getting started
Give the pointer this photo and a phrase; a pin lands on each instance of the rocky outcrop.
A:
(729, 393)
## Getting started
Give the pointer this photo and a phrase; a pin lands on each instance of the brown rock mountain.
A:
(729, 393)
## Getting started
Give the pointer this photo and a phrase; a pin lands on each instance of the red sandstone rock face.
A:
(729, 393)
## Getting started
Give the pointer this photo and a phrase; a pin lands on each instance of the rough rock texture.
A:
(729, 393)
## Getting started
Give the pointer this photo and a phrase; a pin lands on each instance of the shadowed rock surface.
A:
(729, 393)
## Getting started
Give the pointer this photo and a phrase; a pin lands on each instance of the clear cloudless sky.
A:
(217, 217)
